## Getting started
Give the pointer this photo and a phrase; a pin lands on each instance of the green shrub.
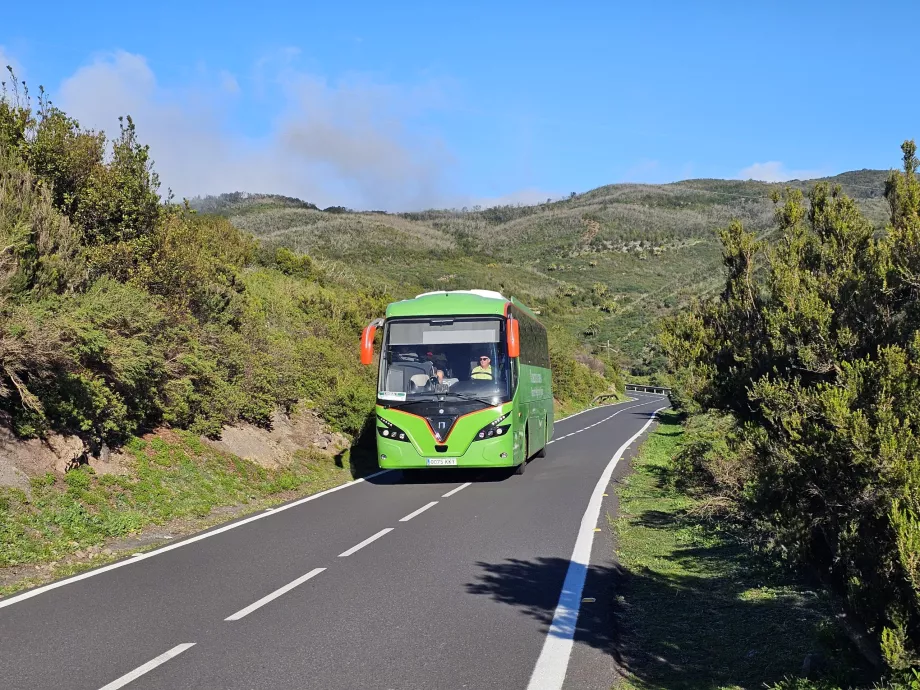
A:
(813, 348)
(711, 456)
(573, 382)
(120, 312)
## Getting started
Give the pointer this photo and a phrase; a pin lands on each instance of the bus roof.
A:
(455, 303)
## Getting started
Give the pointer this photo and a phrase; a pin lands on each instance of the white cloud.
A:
(346, 143)
(356, 131)
(228, 82)
(526, 197)
(774, 171)
(646, 170)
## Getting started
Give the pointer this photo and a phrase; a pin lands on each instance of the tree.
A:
(813, 347)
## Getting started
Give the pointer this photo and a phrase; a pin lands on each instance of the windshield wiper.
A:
(426, 397)
(464, 396)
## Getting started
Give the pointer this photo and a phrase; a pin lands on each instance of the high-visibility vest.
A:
(480, 373)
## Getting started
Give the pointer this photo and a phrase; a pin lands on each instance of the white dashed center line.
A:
(358, 547)
(274, 595)
(453, 491)
(149, 666)
(560, 438)
(417, 512)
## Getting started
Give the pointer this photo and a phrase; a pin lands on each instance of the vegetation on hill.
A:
(121, 312)
(808, 367)
(123, 315)
(603, 266)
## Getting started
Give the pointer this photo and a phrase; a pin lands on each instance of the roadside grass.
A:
(699, 608)
(174, 476)
(566, 409)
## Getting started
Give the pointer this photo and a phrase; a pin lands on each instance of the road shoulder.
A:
(596, 653)
(694, 607)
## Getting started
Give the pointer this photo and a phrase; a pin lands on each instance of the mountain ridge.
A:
(604, 265)
(851, 181)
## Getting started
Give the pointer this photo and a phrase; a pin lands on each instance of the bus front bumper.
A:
(487, 453)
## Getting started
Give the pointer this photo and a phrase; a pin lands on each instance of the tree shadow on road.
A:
(703, 630)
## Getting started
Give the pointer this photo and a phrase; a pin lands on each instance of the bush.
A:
(574, 382)
(712, 456)
(815, 353)
(120, 312)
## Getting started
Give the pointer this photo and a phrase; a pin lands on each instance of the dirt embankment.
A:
(272, 447)
(22, 459)
(287, 435)
(295, 441)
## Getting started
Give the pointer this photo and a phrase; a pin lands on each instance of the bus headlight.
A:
(493, 429)
(391, 431)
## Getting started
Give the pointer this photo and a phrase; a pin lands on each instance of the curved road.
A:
(469, 580)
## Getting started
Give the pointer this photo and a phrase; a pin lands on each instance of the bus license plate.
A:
(442, 461)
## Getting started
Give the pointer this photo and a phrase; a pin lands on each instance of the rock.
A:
(69, 451)
(287, 435)
(12, 476)
(116, 463)
(34, 457)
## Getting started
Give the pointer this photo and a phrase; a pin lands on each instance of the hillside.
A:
(604, 265)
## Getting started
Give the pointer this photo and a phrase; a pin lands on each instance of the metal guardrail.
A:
(639, 388)
(662, 390)
(604, 397)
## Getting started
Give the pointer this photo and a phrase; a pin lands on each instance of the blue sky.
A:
(373, 105)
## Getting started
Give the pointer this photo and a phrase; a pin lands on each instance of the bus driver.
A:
(484, 370)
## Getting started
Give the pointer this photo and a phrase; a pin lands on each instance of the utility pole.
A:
(606, 346)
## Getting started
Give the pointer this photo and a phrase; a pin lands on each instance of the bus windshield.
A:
(445, 356)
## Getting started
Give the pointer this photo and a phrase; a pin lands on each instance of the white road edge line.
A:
(417, 512)
(459, 488)
(592, 408)
(274, 595)
(76, 578)
(364, 543)
(549, 672)
(559, 438)
(149, 666)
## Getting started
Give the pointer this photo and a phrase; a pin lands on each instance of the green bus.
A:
(464, 381)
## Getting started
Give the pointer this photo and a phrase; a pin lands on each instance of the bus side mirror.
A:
(367, 344)
(514, 338)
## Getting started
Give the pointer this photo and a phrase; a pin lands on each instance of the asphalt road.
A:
(469, 580)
